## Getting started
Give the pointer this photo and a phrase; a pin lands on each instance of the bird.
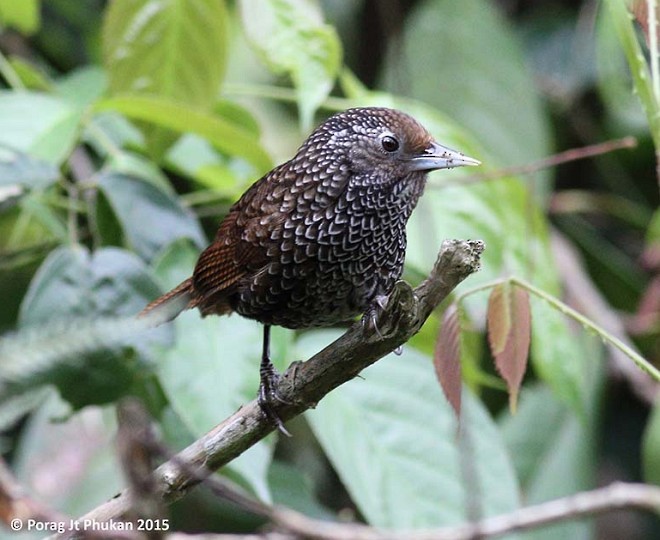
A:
(321, 238)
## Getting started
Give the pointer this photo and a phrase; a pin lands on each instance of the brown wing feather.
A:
(217, 270)
(236, 251)
(240, 248)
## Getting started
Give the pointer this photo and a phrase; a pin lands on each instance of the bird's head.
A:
(379, 144)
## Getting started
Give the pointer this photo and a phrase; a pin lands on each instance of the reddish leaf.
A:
(499, 317)
(511, 360)
(447, 358)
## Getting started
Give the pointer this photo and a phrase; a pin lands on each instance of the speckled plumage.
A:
(316, 240)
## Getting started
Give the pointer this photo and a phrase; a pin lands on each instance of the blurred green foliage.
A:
(128, 128)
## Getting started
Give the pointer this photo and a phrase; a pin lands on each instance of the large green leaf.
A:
(174, 49)
(291, 37)
(40, 125)
(66, 308)
(73, 282)
(213, 368)
(392, 438)
(137, 202)
(225, 135)
(462, 58)
(23, 15)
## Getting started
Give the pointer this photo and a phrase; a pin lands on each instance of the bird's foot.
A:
(386, 313)
(373, 313)
(269, 396)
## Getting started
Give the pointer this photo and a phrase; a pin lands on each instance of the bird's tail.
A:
(167, 307)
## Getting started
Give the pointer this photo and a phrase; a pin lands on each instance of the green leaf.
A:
(194, 157)
(18, 168)
(213, 368)
(227, 137)
(43, 126)
(23, 15)
(66, 305)
(463, 59)
(174, 49)
(651, 447)
(293, 489)
(557, 356)
(72, 282)
(137, 166)
(136, 202)
(83, 86)
(291, 38)
(613, 84)
(392, 438)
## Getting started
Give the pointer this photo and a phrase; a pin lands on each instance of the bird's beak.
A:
(437, 156)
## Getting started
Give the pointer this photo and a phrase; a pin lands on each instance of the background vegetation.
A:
(127, 128)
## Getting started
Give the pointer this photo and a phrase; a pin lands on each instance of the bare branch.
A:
(292, 525)
(613, 497)
(304, 384)
(574, 154)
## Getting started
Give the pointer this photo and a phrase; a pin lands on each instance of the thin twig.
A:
(574, 154)
(613, 497)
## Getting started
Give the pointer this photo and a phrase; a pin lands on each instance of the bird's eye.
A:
(390, 144)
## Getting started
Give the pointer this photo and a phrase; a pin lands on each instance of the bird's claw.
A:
(373, 313)
(268, 395)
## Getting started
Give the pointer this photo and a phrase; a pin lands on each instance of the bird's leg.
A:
(268, 387)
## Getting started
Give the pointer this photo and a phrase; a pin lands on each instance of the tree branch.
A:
(573, 154)
(305, 384)
(613, 497)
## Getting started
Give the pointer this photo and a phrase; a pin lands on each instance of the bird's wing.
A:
(240, 245)
(253, 229)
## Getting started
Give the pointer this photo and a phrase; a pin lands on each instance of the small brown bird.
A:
(320, 238)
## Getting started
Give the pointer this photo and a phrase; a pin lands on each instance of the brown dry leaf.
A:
(499, 317)
(447, 358)
(511, 361)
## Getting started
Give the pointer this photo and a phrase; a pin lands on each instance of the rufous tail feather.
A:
(167, 307)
